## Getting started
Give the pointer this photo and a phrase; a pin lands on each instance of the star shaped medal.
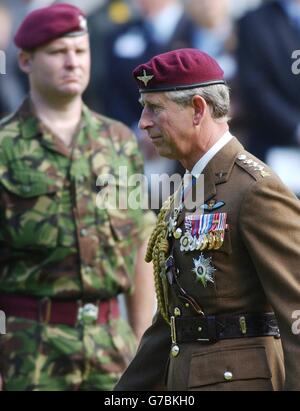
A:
(203, 270)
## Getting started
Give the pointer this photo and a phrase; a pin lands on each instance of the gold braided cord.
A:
(157, 250)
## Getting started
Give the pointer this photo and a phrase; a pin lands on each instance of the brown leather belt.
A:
(59, 312)
(220, 327)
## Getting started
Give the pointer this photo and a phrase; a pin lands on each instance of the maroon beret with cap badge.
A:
(178, 70)
(48, 23)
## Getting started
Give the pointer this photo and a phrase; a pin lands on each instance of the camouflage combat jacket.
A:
(57, 237)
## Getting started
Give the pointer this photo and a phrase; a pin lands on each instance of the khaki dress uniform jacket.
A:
(257, 271)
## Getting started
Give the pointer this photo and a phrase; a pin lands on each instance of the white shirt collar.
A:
(204, 160)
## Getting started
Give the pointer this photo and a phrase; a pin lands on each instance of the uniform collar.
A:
(204, 160)
(219, 168)
(29, 123)
(32, 127)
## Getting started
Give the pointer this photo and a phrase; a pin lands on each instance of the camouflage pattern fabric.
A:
(40, 357)
(54, 241)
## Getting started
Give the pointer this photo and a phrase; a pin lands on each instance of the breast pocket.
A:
(29, 209)
(242, 368)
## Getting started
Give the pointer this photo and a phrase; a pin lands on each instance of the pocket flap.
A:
(122, 224)
(29, 184)
(242, 363)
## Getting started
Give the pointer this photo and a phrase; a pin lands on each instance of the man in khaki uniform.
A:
(227, 272)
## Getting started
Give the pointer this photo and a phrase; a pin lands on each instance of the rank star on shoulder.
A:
(145, 78)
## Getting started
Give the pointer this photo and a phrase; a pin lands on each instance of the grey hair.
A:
(216, 96)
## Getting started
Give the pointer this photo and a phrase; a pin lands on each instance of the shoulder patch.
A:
(252, 166)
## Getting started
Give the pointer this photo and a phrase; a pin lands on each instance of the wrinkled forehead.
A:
(67, 41)
(153, 98)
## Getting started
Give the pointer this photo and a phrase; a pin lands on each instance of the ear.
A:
(25, 61)
(199, 106)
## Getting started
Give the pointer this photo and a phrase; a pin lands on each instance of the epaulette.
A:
(252, 166)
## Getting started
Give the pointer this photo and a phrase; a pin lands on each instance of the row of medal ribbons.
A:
(203, 231)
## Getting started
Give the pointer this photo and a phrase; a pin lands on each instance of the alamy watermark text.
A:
(2, 322)
(296, 63)
(2, 62)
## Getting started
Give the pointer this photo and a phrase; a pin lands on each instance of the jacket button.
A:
(80, 179)
(242, 157)
(177, 312)
(26, 189)
(175, 351)
(228, 375)
(83, 232)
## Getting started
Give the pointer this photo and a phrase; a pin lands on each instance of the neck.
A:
(61, 117)
(204, 142)
(56, 110)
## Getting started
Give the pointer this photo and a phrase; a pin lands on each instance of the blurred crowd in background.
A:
(253, 40)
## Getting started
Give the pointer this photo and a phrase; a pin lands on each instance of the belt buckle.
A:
(87, 314)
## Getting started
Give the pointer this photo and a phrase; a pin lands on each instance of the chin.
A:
(72, 92)
(72, 88)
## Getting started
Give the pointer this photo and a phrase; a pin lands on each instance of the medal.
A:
(203, 270)
(185, 242)
(211, 240)
(218, 241)
(193, 243)
(204, 242)
(172, 225)
(177, 233)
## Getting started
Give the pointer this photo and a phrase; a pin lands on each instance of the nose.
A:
(71, 59)
(145, 120)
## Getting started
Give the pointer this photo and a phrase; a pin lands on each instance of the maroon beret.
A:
(178, 70)
(48, 23)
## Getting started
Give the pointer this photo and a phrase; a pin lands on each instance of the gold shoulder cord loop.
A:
(157, 251)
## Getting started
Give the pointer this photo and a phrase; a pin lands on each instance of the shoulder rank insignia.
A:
(253, 164)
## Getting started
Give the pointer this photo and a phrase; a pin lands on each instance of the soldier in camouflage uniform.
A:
(65, 254)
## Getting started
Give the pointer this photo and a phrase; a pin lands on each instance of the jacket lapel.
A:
(216, 172)
(219, 168)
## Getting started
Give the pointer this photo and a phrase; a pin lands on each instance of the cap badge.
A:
(145, 78)
(82, 22)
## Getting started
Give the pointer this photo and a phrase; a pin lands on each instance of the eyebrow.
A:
(149, 103)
